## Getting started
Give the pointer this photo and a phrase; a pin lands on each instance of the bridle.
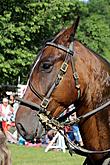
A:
(44, 115)
(63, 69)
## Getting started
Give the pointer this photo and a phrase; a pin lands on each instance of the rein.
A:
(58, 126)
(37, 108)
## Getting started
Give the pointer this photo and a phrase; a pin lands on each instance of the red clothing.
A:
(5, 117)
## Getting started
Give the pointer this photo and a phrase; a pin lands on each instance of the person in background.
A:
(75, 131)
(49, 136)
(6, 111)
(14, 104)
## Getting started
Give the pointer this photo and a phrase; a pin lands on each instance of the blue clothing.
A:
(21, 141)
(74, 134)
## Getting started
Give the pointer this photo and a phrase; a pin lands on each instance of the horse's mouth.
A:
(26, 135)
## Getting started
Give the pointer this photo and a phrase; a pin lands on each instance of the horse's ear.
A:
(66, 35)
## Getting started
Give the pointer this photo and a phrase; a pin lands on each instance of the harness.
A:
(58, 124)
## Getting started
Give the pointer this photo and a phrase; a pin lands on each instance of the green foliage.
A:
(95, 33)
(15, 56)
(26, 24)
(100, 12)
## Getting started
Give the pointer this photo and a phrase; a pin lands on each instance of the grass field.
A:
(22, 155)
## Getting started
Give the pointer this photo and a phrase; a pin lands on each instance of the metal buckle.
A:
(69, 51)
(44, 103)
(78, 86)
(75, 75)
(64, 67)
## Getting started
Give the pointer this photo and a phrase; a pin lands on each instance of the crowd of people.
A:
(8, 109)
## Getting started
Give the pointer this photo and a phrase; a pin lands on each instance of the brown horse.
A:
(67, 72)
(5, 155)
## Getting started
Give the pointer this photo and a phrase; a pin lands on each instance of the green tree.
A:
(99, 16)
(24, 26)
(95, 33)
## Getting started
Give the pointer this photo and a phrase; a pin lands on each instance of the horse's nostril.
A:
(21, 129)
(25, 134)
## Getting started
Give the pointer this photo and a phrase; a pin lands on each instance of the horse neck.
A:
(94, 76)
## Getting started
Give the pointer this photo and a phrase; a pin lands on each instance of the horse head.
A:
(51, 80)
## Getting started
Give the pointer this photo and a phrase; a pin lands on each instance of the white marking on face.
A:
(33, 69)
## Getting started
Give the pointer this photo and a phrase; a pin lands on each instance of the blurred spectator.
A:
(6, 112)
(21, 141)
(49, 136)
(75, 133)
(14, 104)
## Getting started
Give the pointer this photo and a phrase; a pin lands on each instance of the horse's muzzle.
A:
(26, 135)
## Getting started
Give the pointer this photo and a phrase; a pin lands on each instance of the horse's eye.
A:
(46, 66)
